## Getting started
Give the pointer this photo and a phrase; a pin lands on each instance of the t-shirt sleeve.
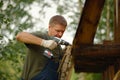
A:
(38, 34)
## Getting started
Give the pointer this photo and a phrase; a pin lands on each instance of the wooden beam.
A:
(88, 22)
(87, 26)
(87, 66)
(108, 74)
(92, 64)
(86, 30)
(89, 69)
(117, 29)
(95, 58)
(117, 21)
(98, 50)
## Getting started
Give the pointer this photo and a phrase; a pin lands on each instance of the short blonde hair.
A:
(58, 19)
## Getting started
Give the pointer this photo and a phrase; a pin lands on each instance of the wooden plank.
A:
(108, 74)
(87, 66)
(117, 30)
(88, 22)
(117, 21)
(111, 72)
(105, 75)
(92, 64)
(96, 58)
(87, 25)
(87, 28)
(97, 50)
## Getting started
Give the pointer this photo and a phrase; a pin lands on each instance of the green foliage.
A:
(86, 76)
(11, 52)
(93, 76)
(102, 27)
(11, 61)
(74, 75)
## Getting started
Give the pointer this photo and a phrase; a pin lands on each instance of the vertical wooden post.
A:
(117, 21)
(105, 75)
(111, 72)
(108, 74)
(117, 28)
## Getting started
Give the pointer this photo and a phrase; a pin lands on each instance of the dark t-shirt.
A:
(35, 60)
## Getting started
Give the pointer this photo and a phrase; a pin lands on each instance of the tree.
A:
(13, 18)
(105, 26)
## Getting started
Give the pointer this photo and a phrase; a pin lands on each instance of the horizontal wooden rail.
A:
(95, 58)
(109, 50)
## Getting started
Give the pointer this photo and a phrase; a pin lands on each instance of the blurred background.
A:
(33, 15)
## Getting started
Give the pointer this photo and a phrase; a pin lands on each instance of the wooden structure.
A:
(99, 58)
